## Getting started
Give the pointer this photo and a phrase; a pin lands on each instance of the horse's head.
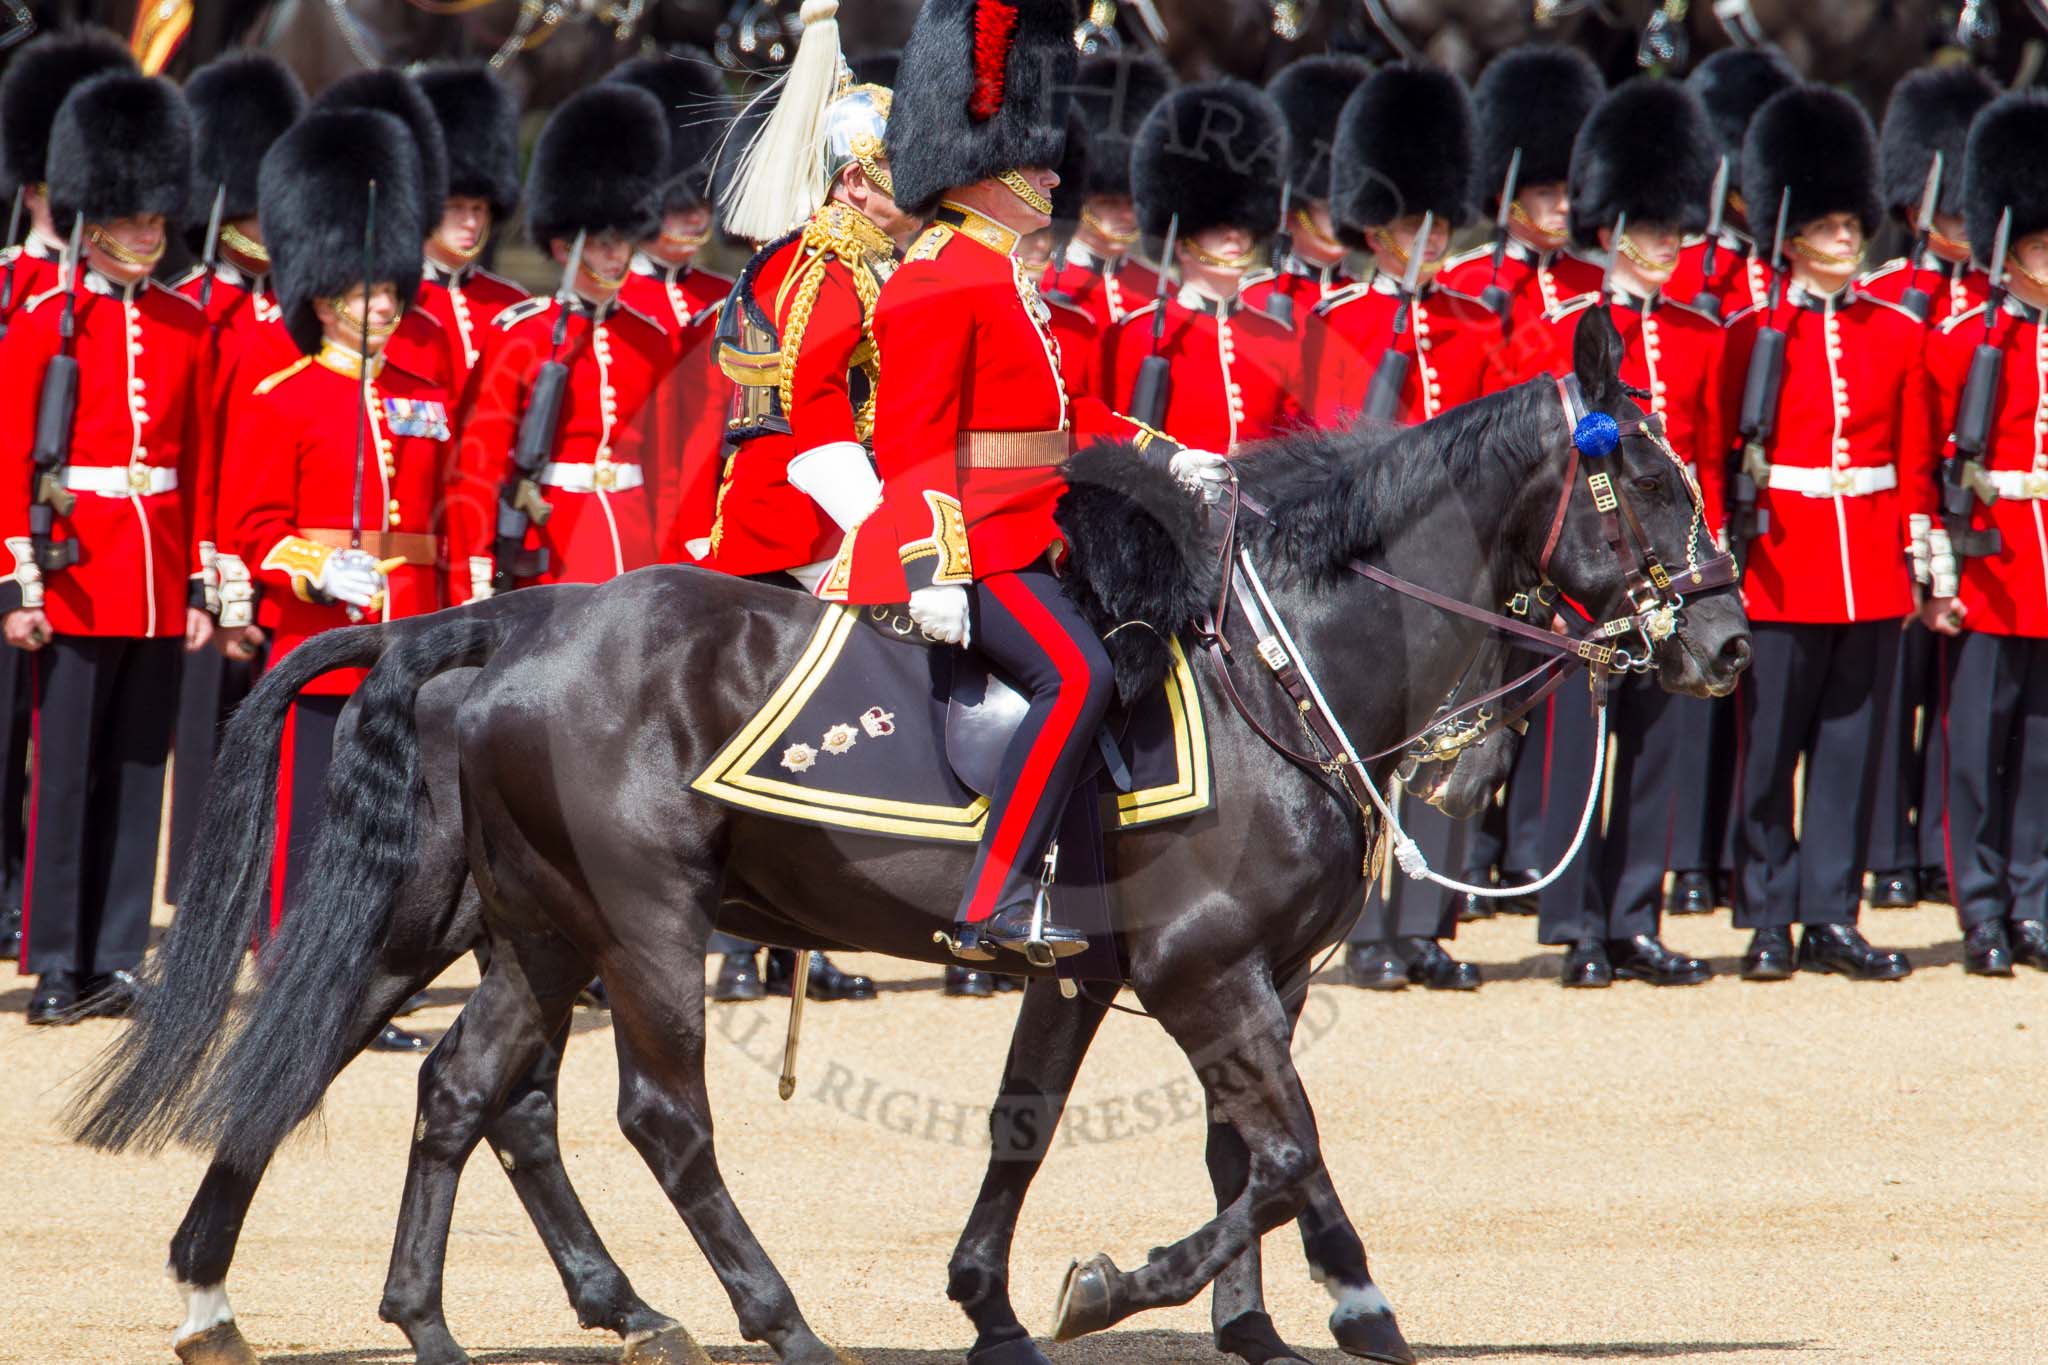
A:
(1627, 539)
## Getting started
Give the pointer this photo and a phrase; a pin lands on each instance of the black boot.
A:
(2030, 944)
(10, 933)
(1934, 886)
(1645, 958)
(1524, 904)
(1006, 983)
(1770, 956)
(1471, 907)
(1431, 967)
(1842, 949)
(395, 1039)
(1375, 967)
(1986, 949)
(1895, 890)
(1011, 927)
(964, 983)
(1691, 893)
(54, 1000)
(1586, 966)
(827, 982)
(738, 979)
(112, 996)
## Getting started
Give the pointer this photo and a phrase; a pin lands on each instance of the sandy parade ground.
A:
(1814, 1171)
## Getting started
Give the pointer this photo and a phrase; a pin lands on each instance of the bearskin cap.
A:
(121, 146)
(1115, 92)
(2003, 169)
(1215, 154)
(479, 118)
(1404, 146)
(312, 196)
(984, 88)
(394, 92)
(35, 84)
(241, 102)
(1930, 111)
(1733, 84)
(1535, 99)
(1072, 191)
(686, 83)
(1311, 94)
(599, 165)
(1819, 144)
(1648, 152)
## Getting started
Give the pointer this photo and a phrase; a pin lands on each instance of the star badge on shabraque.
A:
(799, 758)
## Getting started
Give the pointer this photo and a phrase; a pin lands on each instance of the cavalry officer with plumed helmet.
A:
(106, 586)
(971, 424)
(1641, 170)
(1729, 270)
(1845, 490)
(1310, 267)
(1099, 271)
(1208, 166)
(594, 183)
(1920, 152)
(1997, 706)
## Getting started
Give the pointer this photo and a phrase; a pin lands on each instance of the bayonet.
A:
(1916, 299)
(566, 295)
(1280, 304)
(2000, 245)
(211, 254)
(1149, 395)
(13, 233)
(1411, 277)
(1717, 215)
(1615, 240)
(1778, 249)
(1493, 296)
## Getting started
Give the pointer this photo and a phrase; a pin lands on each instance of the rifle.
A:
(56, 407)
(211, 254)
(13, 231)
(1280, 307)
(1758, 418)
(1962, 474)
(1497, 299)
(1155, 375)
(1916, 300)
(1707, 300)
(1383, 397)
(521, 503)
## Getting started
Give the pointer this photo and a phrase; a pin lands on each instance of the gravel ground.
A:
(1816, 1171)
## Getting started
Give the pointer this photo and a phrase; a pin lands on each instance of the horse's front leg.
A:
(1047, 1046)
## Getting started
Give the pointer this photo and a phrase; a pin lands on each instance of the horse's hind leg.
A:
(1046, 1049)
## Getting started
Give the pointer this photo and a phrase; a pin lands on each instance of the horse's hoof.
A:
(670, 1346)
(1364, 1327)
(220, 1344)
(1013, 1351)
(1251, 1338)
(1084, 1299)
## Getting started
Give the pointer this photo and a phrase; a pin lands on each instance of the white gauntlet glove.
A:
(941, 613)
(351, 577)
(1944, 575)
(1202, 472)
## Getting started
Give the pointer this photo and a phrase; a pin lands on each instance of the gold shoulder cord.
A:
(835, 231)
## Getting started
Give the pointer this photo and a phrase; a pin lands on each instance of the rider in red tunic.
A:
(1310, 92)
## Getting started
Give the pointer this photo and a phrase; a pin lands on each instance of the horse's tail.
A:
(176, 1073)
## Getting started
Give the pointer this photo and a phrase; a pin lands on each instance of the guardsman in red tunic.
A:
(686, 417)
(106, 587)
(1082, 343)
(1209, 160)
(971, 424)
(479, 118)
(1640, 175)
(1404, 150)
(596, 176)
(1997, 706)
(1733, 84)
(1840, 488)
(1310, 257)
(1097, 271)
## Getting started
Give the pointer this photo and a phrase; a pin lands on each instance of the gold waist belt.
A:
(1012, 449)
(411, 546)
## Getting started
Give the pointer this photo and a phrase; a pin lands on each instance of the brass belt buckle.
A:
(1845, 481)
(604, 477)
(138, 479)
(2035, 484)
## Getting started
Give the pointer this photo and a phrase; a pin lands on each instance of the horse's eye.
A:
(1650, 486)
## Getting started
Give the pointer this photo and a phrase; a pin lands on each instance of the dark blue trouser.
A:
(1998, 777)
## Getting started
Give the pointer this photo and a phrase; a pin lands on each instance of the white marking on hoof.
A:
(505, 1159)
(1354, 1300)
(206, 1306)
(419, 1130)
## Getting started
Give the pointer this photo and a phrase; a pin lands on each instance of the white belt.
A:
(2021, 485)
(589, 478)
(1821, 481)
(121, 480)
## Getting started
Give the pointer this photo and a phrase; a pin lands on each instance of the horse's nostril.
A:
(1735, 653)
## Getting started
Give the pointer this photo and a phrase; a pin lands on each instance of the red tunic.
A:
(1536, 282)
(602, 522)
(140, 434)
(1952, 291)
(685, 419)
(1828, 554)
(464, 302)
(1301, 284)
(1107, 290)
(1083, 350)
(2005, 593)
(290, 468)
(1449, 335)
(1236, 372)
(1742, 278)
(32, 268)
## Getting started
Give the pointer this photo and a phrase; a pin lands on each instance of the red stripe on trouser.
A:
(1051, 740)
(35, 801)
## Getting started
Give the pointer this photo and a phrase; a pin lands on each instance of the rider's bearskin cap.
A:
(241, 103)
(1646, 151)
(395, 93)
(35, 84)
(599, 166)
(1214, 154)
(479, 117)
(686, 83)
(1819, 144)
(1115, 91)
(121, 146)
(1311, 94)
(984, 88)
(1404, 146)
(1930, 111)
(2003, 169)
(313, 198)
(1733, 84)
(1536, 99)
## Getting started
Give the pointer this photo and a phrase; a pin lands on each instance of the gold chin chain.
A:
(685, 241)
(1802, 247)
(100, 238)
(1210, 258)
(599, 278)
(243, 245)
(867, 150)
(464, 256)
(1106, 232)
(1305, 224)
(379, 333)
(1015, 182)
(1521, 215)
(1655, 271)
(1386, 241)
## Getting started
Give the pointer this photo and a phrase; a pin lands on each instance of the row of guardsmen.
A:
(210, 484)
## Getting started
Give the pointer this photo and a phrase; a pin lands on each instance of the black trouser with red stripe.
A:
(1029, 630)
(1998, 777)
(103, 714)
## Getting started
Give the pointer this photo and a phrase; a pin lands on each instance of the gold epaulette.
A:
(272, 381)
(929, 243)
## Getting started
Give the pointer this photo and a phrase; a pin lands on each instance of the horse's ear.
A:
(1596, 353)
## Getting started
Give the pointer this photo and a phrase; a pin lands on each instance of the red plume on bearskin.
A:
(995, 24)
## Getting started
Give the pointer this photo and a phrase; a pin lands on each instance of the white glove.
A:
(941, 613)
(1201, 471)
(351, 577)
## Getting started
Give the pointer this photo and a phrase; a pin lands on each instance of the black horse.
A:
(589, 852)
